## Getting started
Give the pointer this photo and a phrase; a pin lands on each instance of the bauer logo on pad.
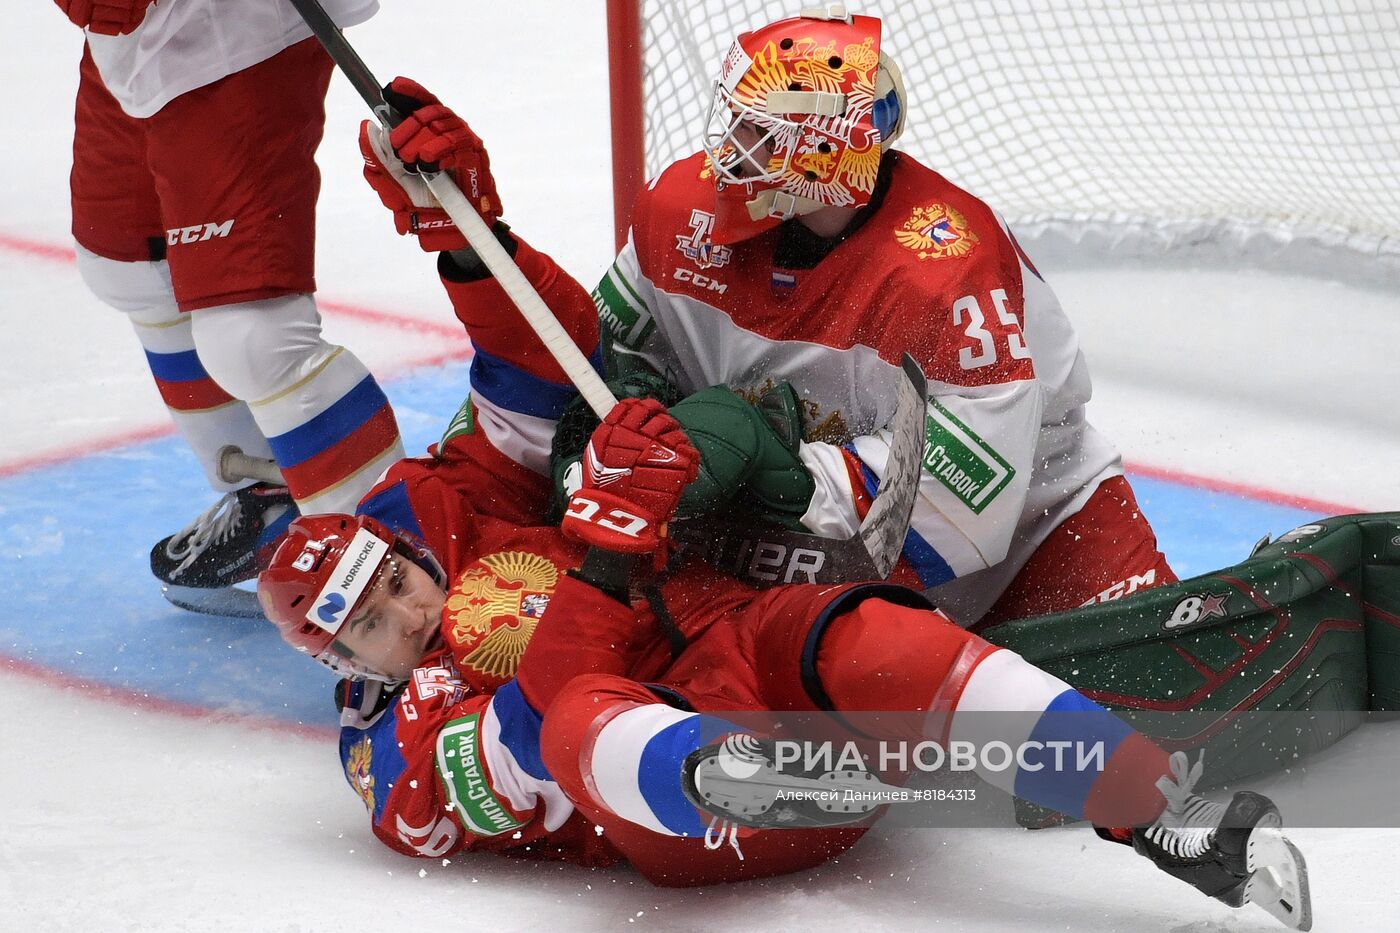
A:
(347, 582)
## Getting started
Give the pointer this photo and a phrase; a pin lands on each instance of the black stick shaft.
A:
(346, 58)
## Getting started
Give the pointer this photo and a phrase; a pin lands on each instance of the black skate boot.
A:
(738, 781)
(1234, 852)
(227, 544)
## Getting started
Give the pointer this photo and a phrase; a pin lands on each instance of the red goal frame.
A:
(625, 105)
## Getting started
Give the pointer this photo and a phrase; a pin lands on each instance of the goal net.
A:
(1262, 130)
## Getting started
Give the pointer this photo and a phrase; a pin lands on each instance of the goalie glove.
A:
(747, 451)
(634, 468)
(105, 17)
(431, 138)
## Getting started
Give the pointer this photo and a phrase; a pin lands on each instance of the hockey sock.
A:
(327, 422)
(206, 416)
(1028, 732)
(611, 738)
(1034, 736)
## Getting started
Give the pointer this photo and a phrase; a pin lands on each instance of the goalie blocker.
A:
(1308, 623)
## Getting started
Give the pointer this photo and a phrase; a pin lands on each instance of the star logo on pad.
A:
(1212, 606)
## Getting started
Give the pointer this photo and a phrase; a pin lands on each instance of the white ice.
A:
(117, 818)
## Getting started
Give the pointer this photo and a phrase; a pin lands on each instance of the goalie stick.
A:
(767, 554)
(537, 314)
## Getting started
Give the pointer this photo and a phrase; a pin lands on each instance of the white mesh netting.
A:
(1174, 125)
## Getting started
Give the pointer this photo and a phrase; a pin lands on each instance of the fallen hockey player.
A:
(453, 745)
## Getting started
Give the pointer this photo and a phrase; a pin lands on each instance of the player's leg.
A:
(884, 649)
(121, 256)
(617, 749)
(237, 179)
(1104, 551)
(874, 649)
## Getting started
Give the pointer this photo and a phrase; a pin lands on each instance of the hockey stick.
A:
(770, 554)
(483, 241)
(886, 525)
(236, 466)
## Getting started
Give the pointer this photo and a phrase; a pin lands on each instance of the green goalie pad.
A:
(1308, 624)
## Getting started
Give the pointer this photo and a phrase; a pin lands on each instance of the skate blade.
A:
(214, 601)
(1278, 880)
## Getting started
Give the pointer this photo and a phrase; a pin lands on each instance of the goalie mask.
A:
(802, 111)
(322, 573)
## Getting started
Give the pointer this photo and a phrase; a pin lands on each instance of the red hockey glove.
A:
(105, 17)
(635, 466)
(431, 138)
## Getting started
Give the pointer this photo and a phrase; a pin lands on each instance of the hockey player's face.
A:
(755, 150)
(397, 622)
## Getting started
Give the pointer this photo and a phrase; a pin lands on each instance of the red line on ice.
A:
(1244, 490)
(150, 703)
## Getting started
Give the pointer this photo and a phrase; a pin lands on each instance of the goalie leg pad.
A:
(1283, 631)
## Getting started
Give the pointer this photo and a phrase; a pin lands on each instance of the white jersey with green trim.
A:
(932, 271)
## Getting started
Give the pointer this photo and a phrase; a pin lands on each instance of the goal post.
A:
(625, 82)
(1261, 132)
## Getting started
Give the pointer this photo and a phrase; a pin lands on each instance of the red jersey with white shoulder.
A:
(185, 44)
(452, 761)
(931, 271)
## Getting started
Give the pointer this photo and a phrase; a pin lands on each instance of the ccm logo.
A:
(585, 509)
(700, 281)
(198, 233)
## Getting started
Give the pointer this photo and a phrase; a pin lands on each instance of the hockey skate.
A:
(227, 544)
(1234, 852)
(739, 780)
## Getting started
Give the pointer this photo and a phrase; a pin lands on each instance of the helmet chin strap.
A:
(772, 202)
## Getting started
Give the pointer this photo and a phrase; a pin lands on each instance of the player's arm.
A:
(625, 297)
(440, 770)
(518, 388)
(635, 467)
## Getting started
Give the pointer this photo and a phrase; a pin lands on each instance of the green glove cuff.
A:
(781, 482)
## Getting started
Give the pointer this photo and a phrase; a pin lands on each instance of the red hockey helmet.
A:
(802, 111)
(319, 575)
